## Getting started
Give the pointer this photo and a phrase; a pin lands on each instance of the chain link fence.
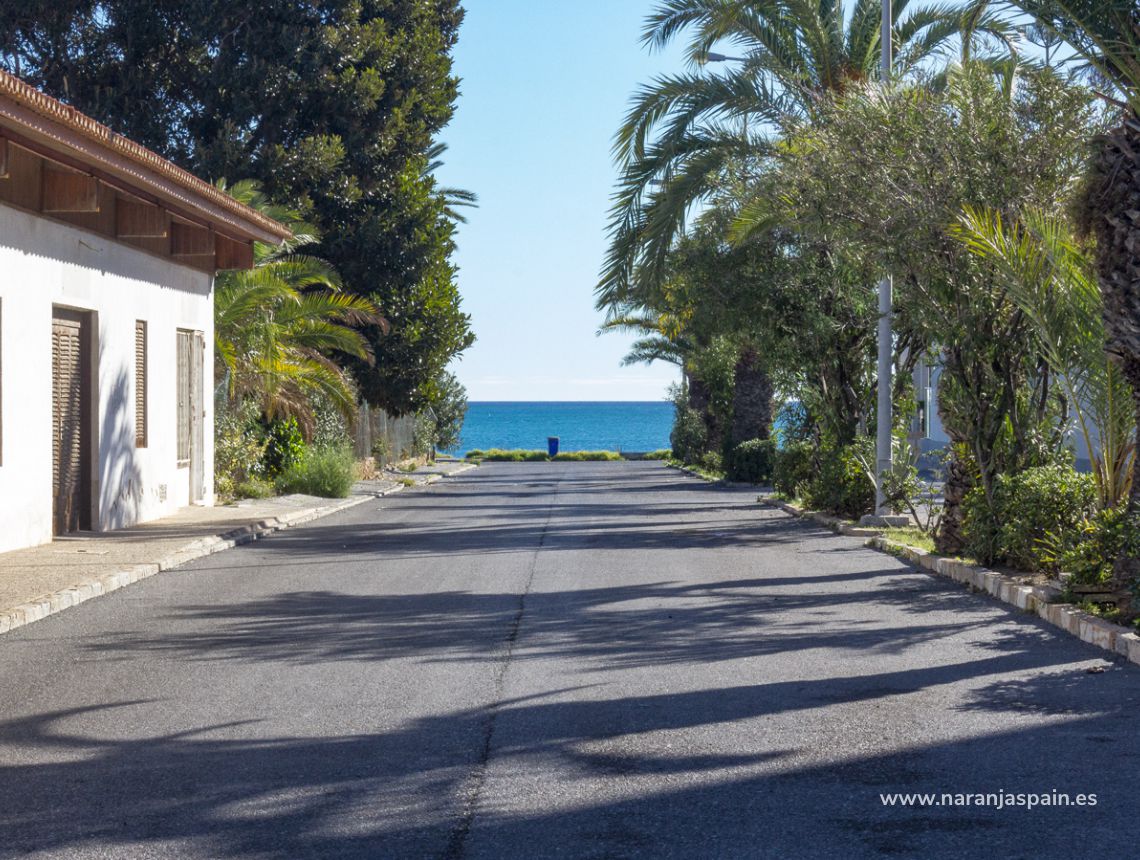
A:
(389, 439)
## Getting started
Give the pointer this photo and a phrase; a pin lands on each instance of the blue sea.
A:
(580, 426)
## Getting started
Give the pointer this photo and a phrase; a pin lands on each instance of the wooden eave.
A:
(65, 166)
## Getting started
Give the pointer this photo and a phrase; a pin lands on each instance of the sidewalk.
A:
(43, 580)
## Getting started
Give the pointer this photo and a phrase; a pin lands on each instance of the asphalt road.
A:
(558, 660)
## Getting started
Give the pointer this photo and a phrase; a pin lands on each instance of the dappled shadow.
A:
(485, 512)
(922, 687)
(1063, 693)
(617, 627)
(705, 619)
(225, 790)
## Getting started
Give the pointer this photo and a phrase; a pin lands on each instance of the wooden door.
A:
(192, 409)
(70, 380)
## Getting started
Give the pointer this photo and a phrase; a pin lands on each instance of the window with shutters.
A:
(140, 384)
(185, 342)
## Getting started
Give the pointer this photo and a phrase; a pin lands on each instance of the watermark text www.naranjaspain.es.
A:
(991, 799)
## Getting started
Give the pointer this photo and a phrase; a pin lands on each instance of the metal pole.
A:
(886, 350)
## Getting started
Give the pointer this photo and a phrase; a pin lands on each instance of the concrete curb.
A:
(1038, 599)
(716, 482)
(837, 525)
(81, 592)
(432, 478)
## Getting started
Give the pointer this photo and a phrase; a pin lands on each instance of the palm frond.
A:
(1053, 282)
(1104, 32)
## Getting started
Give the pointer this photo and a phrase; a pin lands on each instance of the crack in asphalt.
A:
(475, 780)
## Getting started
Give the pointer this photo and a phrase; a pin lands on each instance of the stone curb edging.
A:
(693, 473)
(1038, 599)
(837, 525)
(57, 601)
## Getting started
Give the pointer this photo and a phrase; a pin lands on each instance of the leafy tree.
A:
(661, 337)
(683, 130)
(686, 137)
(893, 170)
(332, 104)
(1051, 278)
(1107, 34)
(448, 410)
(455, 198)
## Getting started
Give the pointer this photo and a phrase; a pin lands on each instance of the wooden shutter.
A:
(197, 416)
(67, 423)
(184, 355)
(140, 384)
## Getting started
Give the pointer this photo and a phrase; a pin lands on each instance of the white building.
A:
(107, 261)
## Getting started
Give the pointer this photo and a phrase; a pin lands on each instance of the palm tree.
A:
(683, 131)
(661, 337)
(686, 135)
(1106, 33)
(453, 198)
(276, 325)
(1052, 280)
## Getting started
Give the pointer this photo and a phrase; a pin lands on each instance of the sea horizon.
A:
(580, 425)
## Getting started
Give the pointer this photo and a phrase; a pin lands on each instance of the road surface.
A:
(559, 660)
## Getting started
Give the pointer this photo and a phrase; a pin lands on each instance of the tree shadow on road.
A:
(963, 694)
(70, 784)
(611, 627)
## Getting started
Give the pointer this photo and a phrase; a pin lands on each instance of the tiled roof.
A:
(28, 97)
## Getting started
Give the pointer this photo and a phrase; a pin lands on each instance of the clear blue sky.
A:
(544, 87)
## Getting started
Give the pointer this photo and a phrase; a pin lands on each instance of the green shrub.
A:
(515, 455)
(751, 461)
(330, 426)
(381, 451)
(711, 462)
(284, 447)
(239, 446)
(327, 472)
(841, 485)
(475, 454)
(660, 454)
(581, 456)
(424, 434)
(1090, 553)
(981, 527)
(792, 468)
(689, 436)
(1035, 517)
(254, 488)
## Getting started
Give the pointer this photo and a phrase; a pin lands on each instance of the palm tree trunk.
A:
(1114, 215)
(751, 399)
(700, 401)
(949, 539)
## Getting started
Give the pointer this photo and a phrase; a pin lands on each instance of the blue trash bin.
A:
(552, 445)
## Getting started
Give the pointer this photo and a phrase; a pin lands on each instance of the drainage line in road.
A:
(458, 840)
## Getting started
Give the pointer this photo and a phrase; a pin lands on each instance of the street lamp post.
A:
(713, 57)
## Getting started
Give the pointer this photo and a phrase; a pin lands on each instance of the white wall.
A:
(43, 263)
